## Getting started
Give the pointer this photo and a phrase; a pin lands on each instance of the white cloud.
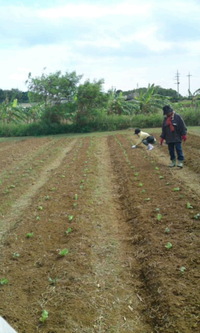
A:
(125, 42)
(127, 8)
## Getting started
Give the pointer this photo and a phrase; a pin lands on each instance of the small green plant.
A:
(44, 316)
(40, 208)
(37, 218)
(168, 245)
(147, 199)
(63, 252)
(176, 189)
(68, 231)
(182, 269)
(3, 282)
(75, 196)
(29, 235)
(197, 216)
(157, 168)
(53, 189)
(167, 230)
(189, 206)
(15, 255)
(52, 281)
(161, 177)
(136, 174)
(140, 184)
(47, 197)
(159, 217)
(70, 217)
(11, 186)
(143, 191)
(157, 209)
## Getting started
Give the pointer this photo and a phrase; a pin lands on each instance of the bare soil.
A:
(128, 226)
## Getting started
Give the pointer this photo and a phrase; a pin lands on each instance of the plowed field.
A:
(102, 237)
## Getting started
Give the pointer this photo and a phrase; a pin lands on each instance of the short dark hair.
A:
(167, 109)
(137, 130)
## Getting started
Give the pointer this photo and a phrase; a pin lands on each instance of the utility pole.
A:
(177, 81)
(189, 75)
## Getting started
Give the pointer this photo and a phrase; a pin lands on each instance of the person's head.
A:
(137, 131)
(167, 110)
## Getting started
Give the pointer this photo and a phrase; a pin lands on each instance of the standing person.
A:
(144, 138)
(173, 132)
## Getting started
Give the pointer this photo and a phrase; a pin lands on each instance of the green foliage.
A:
(9, 96)
(168, 245)
(11, 112)
(53, 87)
(148, 101)
(90, 98)
(44, 316)
(63, 252)
(3, 282)
(117, 104)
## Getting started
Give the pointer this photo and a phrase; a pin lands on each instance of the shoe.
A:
(172, 164)
(180, 164)
(150, 147)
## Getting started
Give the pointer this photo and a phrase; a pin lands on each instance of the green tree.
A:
(148, 101)
(117, 103)
(90, 99)
(53, 88)
(11, 112)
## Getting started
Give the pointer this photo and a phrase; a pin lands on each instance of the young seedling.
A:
(3, 282)
(161, 177)
(76, 197)
(157, 168)
(53, 189)
(189, 205)
(140, 184)
(182, 269)
(15, 255)
(143, 191)
(167, 230)
(44, 316)
(47, 197)
(70, 217)
(168, 245)
(176, 189)
(197, 216)
(29, 235)
(159, 217)
(68, 231)
(63, 252)
(52, 281)
(147, 199)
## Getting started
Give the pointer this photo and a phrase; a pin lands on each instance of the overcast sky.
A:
(128, 43)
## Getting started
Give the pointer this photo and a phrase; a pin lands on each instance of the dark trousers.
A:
(149, 139)
(175, 148)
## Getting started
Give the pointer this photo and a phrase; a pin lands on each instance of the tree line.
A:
(65, 98)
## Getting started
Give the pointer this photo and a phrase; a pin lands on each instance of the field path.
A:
(112, 285)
